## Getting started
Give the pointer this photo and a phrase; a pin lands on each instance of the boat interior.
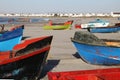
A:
(89, 38)
(26, 47)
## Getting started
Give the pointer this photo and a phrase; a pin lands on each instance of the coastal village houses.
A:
(112, 14)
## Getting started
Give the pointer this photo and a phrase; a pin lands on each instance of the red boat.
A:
(26, 60)
(77, 26)
(65, 23)
(97, 74)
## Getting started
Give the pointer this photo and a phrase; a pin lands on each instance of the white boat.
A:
(96, 23)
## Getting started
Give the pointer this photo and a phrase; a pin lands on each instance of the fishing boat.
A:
(58, 26)
(96, 74)
(96, 51)
(25, 61)
(108, 29)
(8, 39)
(95, 23)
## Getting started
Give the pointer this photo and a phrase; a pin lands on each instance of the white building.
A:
(115, 14)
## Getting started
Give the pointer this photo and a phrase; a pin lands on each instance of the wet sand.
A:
(63, 55)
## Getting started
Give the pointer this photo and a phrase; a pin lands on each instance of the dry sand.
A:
(62, 55)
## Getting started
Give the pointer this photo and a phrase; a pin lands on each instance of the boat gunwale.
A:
(20, 29)
(17, 58)
(95, 44)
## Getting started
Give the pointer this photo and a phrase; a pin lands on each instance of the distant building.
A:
(115, 14)
(112, 14)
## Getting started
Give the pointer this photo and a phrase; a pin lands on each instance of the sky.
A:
(59, 6)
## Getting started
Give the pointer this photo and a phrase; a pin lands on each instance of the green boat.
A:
(58, 26)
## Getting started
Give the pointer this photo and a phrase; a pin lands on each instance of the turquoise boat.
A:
(97, 51)
(9, 39)
(95, 23)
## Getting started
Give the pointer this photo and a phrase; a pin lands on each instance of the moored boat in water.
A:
(96, 51)
(26, 60)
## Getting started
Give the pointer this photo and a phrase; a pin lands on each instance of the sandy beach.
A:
(63, 55)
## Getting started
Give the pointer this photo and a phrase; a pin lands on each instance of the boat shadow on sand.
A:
(48, 67)
(77, 56)
(25, 37)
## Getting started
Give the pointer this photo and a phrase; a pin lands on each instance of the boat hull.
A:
(57, 27)
(95, 23)
(104, 29)
(26, 60)
(90, 25)
(27, 69)
(96, 51)
(9, 39)
(98, 54)
(9, 44)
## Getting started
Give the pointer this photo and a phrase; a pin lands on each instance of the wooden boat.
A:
(95, 23)
(26, 60)
(8, 39)
(96, 74)
(58, 26)
(96, 51)
(108, 29)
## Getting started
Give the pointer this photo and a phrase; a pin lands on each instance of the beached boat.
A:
(96, 51)
(96, 23)
(26, 60)
(8, 39)
(96, 74)
(58, 26)
(108, 29)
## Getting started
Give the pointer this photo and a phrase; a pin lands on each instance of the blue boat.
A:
(104, 29)
(9, 39)
(96, 51)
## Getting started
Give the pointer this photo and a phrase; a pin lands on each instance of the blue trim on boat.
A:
(93, 54)
(104, 29)
(11, 34)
